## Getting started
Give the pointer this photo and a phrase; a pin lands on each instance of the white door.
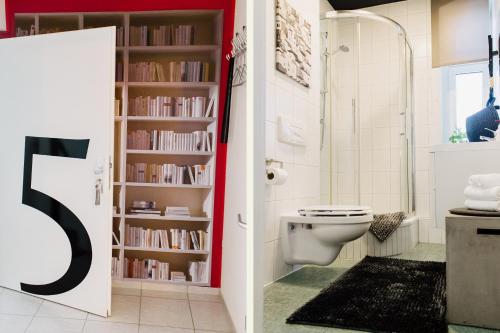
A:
(56, 143)
(233, 284)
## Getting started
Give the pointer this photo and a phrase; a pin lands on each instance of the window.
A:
(465, 92)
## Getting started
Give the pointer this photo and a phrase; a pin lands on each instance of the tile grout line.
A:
(190, 310)
(140, 307)
(33, 317)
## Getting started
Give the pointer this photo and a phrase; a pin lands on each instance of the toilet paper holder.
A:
(270, 161)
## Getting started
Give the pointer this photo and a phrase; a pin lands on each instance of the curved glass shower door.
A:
(367, 158)
(340, 158)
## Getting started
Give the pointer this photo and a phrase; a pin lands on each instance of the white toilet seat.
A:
(335, 211)
(316, 235)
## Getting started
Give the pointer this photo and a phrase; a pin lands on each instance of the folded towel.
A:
(384, 225)
(485, 181)
(484, 194)
(491, 206)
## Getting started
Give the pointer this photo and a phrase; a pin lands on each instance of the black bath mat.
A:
(382, 295)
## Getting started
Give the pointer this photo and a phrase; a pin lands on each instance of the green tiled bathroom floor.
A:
(286, 295)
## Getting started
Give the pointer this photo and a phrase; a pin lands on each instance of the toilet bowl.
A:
(315, 235)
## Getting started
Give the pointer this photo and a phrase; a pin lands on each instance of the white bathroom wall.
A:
(285, 97)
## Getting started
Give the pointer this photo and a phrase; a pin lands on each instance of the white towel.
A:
(492, 206)
(485, 181)
(485, 194)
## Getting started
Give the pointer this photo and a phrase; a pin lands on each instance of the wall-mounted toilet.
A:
(315, 235)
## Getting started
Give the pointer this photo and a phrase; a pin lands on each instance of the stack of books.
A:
(176, 211)
(115, 267)
(146, 72)
(150, 269)
(170, 141)
(161, 35)
(189, 71)
(184, 35)
(144, 208)
(166, 106)
(178, 277)
(188, 240)
(201, 175)
(20, 32)
(168, 174)
(150, 238)
(139, 139)
(198, 271)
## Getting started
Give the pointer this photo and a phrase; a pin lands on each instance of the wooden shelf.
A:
(173, 85)
(149, 249)
(173, 48)
(161, 152)
(201, 120)
(187, 186)
(167, 218)
(189, 283)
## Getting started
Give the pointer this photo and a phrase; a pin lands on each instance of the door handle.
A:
(241, 222)
(99, 188)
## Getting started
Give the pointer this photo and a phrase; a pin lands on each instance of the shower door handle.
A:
(354, 115)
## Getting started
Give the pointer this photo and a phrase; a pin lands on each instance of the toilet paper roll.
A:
(276, 176)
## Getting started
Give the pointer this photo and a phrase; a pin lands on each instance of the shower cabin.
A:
(367, 138)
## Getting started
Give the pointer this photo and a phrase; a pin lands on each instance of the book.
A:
(197, 271)
(150, 269)
(189, 71)
(162, 35)
(210, 107)
(178, 277)
(116, 267)
(146, 238)
(117, 107)
(146, 72)
(176, 211)
(197, 141)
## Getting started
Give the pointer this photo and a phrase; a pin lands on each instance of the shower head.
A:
(341, 48)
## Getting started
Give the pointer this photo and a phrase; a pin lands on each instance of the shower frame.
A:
(408, 137)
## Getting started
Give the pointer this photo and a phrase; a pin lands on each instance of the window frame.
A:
(449, 113)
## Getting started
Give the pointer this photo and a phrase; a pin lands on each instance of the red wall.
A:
(51, 6)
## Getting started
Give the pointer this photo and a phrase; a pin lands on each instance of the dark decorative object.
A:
(382, 295)
(477, 123)
(384, 225)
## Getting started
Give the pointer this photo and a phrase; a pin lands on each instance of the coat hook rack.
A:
(239, 53)
(237, 76)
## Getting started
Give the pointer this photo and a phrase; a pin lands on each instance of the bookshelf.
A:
(204, 47)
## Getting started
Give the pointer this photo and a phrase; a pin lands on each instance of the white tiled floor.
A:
(146, 308)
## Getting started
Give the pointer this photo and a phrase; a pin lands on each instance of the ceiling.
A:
(357, 4)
